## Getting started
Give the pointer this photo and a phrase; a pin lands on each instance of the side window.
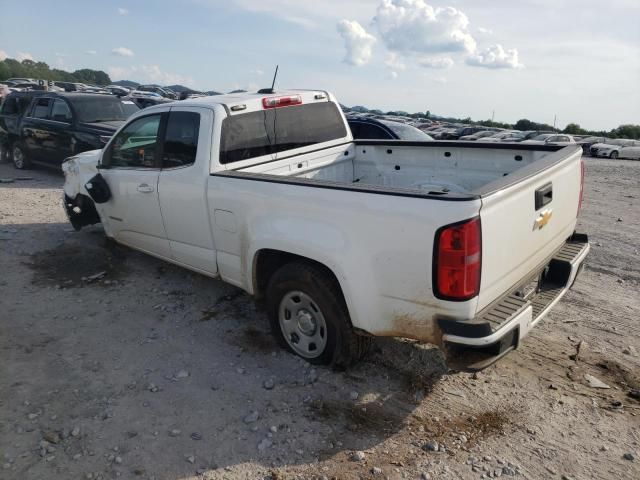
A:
(373, 132)
(10, 106)
(136, 145)
(41, 108)
(60, 111)
(181, 139)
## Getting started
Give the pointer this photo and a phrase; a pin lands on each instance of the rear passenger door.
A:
(182, 187)
(58, 146)
(35, 133)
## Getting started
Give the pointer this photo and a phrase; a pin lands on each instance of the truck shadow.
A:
(162, 319)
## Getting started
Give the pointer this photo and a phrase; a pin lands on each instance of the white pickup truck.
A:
(464, 245)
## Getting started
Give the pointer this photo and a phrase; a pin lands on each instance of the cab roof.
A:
(254, 100)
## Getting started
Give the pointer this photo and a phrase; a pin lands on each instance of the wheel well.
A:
(268, 261)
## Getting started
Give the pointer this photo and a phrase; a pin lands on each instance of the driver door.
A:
(131, 167)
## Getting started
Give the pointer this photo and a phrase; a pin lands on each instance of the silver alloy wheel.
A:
(18, 157)
(303, 325)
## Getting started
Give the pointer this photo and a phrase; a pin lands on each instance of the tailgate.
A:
(526, 217)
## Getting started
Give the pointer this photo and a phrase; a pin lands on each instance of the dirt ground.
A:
(151, 371)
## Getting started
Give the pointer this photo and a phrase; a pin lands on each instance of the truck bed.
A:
(504, 180)
(452, 169)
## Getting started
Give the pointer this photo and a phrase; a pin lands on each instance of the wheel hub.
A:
(306, 322)
(302, 324)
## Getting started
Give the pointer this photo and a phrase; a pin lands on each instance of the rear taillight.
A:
(277, 102)
(457, 260)
(581, 186)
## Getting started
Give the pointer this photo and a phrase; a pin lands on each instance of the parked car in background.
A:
(455, 134)
(146, 99)
(21, 80)
(368, 128)
(54, 126)
(163, 92)
(499, 136)
(551, 139)
(587, 142)
(610, 149)
(117, 90)
(478, 135)
(631, 152)
(70, 86)
(13, 108)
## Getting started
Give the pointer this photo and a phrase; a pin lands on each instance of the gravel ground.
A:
(150, 371)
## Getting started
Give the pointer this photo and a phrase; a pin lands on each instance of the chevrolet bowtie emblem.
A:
(543, 219)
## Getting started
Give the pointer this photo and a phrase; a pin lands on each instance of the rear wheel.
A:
(613, 154)
(309, 317)
(20, 160)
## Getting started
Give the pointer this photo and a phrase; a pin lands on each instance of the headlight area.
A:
(70, 166)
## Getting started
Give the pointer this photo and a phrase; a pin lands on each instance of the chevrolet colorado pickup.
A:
(464, 245)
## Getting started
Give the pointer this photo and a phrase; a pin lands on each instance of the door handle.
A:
(144, 188)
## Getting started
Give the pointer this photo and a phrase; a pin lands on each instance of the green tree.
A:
(627, 131)
(574, 129)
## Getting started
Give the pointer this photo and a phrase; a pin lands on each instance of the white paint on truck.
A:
(275, 178)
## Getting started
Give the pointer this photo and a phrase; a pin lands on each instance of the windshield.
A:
(407, 132)
(103, 108)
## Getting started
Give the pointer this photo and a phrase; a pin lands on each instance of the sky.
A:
(575, 61)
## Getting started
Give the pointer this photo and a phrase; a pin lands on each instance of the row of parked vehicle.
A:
(591, 145)
(47, 125)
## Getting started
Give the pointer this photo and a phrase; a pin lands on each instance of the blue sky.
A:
(579, 60)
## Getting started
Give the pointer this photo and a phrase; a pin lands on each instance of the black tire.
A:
(5, 154)
(343, 346)
(19, 157)
(613, 155)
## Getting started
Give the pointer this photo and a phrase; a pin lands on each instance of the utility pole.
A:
(493, 114)
(554, 120)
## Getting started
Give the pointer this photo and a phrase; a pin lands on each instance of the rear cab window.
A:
(278, 130)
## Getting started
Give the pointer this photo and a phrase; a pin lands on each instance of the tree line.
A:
(10, 68)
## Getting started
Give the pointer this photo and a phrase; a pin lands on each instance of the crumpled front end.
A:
(77, 203)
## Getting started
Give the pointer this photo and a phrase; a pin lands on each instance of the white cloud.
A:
(394, 63)
(393, 75)
(484, 31)
(91, 52)
(3, 55)
(148, 74)
(495, 57)
(436, 62)
(357, 41)
(309, 15)
(122, 52)
(123, 11)
(413, 26)
(436, 79)
(20, 56)
(257, 71)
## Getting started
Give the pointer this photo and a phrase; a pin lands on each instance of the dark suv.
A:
(54, 126)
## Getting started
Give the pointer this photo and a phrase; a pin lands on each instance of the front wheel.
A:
(613, 155)
(20, 160)
(309, 317)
